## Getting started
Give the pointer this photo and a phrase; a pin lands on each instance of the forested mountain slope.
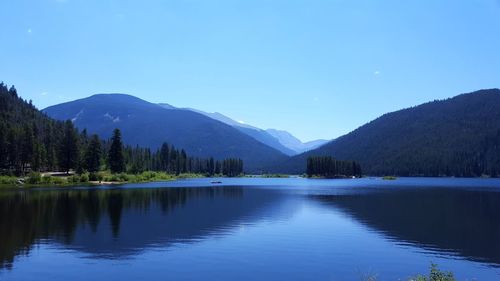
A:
(28, 138)
(459, 136)
(258, 134)
(149, 125)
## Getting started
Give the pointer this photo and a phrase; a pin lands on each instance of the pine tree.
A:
(116, 160)
(164, 157)
(211, 166)
(3, 146)
(218, 167)
(27, 142)
(183, 161)
(93, 155)
(68, 148)
(13, 150)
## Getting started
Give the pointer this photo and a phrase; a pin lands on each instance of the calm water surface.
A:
(252, 229)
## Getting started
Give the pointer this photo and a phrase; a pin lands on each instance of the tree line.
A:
(457, 137)
(166, 159)
(329, 167)
(32, 141)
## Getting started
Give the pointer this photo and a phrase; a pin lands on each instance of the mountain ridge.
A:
(294, 143)
(147, 124)
(267, 136)
(458, 136)
(261, 135)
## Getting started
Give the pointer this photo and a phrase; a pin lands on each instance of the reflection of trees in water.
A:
(465, 222)
(28, 216)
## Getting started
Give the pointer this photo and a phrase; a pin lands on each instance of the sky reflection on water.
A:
(252, 229)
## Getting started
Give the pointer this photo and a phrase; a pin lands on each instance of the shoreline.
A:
(7, 182)
(43, 180)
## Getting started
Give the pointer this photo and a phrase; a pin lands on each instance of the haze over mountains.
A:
(249, 130)
(278, 139)
(290, 141)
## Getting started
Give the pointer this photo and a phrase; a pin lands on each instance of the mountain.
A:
(459, 136)
(149, 125)
(224, 119)
(28, 138)
(167, 106)
(254, 132)
(278, 139)
(293, 143)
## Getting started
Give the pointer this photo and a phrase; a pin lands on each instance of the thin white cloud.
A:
(376, 72)
(44, 93)
(29, 30)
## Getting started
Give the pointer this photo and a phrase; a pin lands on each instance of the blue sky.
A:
(318, 69)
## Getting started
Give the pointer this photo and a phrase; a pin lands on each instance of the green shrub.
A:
(57, 180)
(123, 177)
(185, 176)
(74, 179)
(148, 175)
(8, 180)
(133, 178)
(275, 176)
(96, 177)
(84, 177)
(34, 178)
(435, 275)
(47, 180)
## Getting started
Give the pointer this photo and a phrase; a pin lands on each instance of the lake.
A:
(253, 229)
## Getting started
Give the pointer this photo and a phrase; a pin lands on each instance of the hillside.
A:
(277, 139)
(459, 136)
(149, 125)
(280, 140)
(254, 132)
(28, 138)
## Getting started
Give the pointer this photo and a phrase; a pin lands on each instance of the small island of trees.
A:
(329, 167)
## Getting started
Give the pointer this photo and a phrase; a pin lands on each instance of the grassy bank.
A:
(330, 177)
(105, 177)
(268, 176)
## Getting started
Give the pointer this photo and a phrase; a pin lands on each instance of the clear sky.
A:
(318, 69)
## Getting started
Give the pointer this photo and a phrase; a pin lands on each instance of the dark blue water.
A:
(253, 229)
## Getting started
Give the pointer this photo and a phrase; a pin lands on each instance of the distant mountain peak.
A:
(278, 139)
(167, 106)
(115, 96)
(290, 141)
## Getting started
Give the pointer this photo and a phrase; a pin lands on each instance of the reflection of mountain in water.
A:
(117, 222)
(466, 222)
